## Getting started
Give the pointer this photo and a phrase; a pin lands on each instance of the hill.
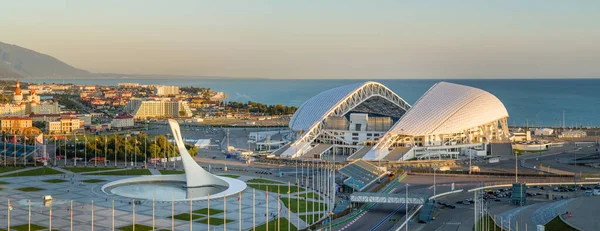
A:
(17, 62)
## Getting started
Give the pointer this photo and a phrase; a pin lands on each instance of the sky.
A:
(314, 39)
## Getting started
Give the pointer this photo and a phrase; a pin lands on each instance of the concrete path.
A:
(585, 213)
(62, 170)
(154, 171)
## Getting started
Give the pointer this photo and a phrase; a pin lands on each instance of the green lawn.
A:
(273, 188)
(128, 172)
(310, 195)
(88, 169)
(3, 182)
(55, 181)
(186, 216)
(311, 218)
(93, 181)
(263, 181)
(283, 225)
(8, 169)
(230, 176)
(35, 172)
(215, 221)
(25, 227)
(170, 172)
(30, 189)
(205, 211)
(138, 227)
(303, 206)
(557, 224)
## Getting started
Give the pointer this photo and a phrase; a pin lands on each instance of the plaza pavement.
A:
(82, 194)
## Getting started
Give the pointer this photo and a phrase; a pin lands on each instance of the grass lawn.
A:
(186, 216)
(25, 227)
(205, 211)
(303, 206)
(30, 189)
(93, 181)
(557, 224)
(3, 182)
(55, 181)
(128, 172)
(89, 169)
(8, 169)
(283, 225)
(230, 176)
(273, 188)
(215, 221)
(263, 181)
(311, 218)
(310, 195)
(35, 172)
(170, 172)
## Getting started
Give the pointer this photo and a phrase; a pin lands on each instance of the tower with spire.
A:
(18, 95)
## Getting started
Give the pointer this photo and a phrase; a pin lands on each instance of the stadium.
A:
(368, 121)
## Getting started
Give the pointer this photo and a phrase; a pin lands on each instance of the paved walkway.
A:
(585, 213)
(154, 171)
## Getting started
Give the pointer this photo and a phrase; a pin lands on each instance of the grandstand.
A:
(360, 174)
(15, 150)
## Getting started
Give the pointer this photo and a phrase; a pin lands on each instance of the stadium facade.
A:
(368, 121)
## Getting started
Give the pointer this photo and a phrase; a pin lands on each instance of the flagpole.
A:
(71, 210)
(29, 214)
(133, 214)
(225, 212)
(25, 150)
(85, 149)
(172, 213)
(50, 218)
(240, 210)
(289, 205)
(207, 213)
(254, 209)
(95, 151)
(115, 149)
(267, 210)
(298, 203)
(92, 215)
(8, 217)
(191, 225)
(113, 214)
(153, 198)
(278, 209)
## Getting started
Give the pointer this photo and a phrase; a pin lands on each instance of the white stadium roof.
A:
(317, 108)
(449, 108)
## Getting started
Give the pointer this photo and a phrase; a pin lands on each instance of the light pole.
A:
(434, 168)
(406, 207)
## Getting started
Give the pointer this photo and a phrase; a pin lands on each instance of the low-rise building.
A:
(122, 121)
(64, 125)
(15, 123)
(572, 134)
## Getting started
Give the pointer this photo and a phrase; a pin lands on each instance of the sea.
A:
(532, 102)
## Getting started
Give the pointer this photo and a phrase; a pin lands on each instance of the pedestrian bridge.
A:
(365, 197)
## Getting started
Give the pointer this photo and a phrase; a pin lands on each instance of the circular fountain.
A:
(195, 184)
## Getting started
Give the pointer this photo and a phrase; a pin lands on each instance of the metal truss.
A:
(364, 197)
(352, 100)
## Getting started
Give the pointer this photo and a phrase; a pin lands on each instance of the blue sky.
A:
(314, 39)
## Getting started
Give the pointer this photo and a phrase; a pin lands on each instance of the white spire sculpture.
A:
(195, 175)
